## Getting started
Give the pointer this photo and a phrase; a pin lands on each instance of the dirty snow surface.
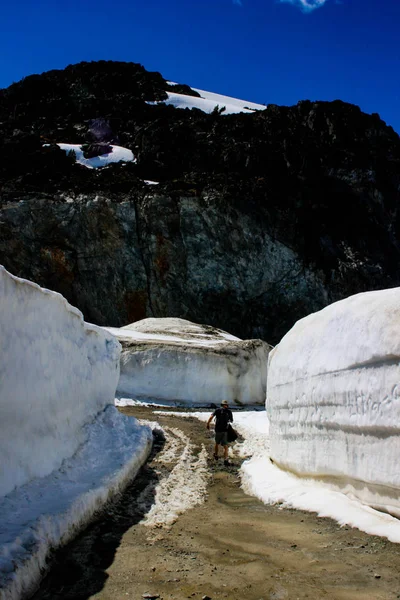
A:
(179, 362)
(334, 397)
(209, 101)
(64, 448)
(118, 154)
(263, 479)
(186, 484)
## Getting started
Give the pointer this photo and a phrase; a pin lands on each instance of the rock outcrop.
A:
(258, 219)
(181, 362)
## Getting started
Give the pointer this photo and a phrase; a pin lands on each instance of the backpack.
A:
(232, 434)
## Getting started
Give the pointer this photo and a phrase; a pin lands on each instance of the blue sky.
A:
(267, 51)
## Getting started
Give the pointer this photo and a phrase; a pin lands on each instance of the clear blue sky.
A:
(266, 51)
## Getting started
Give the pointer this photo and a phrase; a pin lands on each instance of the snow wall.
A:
(65, 449)
(56, 373)
(333, 398)
(177, 361)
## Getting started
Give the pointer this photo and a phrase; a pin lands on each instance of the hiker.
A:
(223, 416)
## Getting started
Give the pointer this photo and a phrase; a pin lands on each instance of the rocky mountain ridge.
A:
(257, 220)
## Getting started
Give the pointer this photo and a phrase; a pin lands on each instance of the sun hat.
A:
(224, 402)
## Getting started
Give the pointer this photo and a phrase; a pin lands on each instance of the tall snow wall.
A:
(178, 361)
(56, 374)
(333, 398)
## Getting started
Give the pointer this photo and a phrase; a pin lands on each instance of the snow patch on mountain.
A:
(118, 154)
(209, 101)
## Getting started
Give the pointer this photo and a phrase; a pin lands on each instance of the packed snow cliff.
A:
(181, 362)
(333, 398)
(58, 376)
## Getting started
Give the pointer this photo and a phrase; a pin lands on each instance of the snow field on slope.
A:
(118, 154)
(209, 101)
(48, 511)
(264, 480)
(244, 105)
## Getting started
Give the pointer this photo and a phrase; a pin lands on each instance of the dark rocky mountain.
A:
(258, 219)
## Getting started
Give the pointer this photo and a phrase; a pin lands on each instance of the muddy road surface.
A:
(227, 545)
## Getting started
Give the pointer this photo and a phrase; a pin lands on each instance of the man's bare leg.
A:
(226, 452)
(216, 450)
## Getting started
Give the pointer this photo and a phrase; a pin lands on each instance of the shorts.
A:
(221, 437)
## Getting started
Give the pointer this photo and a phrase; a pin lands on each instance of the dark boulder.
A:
(96, 149)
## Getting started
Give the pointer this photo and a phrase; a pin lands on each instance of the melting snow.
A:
(271, 485)
(185, 486)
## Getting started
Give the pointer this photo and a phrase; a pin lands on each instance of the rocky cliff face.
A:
(257, 221)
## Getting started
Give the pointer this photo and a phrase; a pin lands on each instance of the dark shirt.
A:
(222, 417)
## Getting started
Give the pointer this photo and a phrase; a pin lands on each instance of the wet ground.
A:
(230, 546)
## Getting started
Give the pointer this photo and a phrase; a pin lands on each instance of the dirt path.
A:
(231, 546)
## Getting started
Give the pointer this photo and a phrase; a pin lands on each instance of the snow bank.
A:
(63, 448)
(334, 398)
(50, 510)
(118, 154)
(56, 373)
(178, 361)
(209, 101)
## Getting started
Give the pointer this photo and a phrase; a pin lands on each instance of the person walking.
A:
(223, 417)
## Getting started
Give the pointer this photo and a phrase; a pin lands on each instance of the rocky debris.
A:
(96, 149)
(100, 131)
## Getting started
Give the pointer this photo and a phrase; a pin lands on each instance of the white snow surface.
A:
(118, 154)
(63, 447)
(208, 101)
(265, 480)
(181, 362)
(56, 374)
(334, 398)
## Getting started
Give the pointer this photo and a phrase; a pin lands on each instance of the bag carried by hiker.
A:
(232, 435)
